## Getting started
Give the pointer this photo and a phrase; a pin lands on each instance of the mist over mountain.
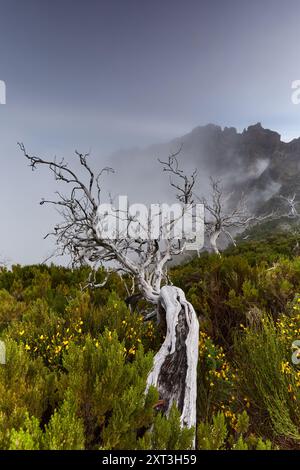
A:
(255, 162)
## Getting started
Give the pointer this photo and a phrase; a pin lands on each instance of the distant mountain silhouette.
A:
(256, 162)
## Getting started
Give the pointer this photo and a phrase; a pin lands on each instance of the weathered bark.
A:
(132, 301)
(174, 372)
(213, 241)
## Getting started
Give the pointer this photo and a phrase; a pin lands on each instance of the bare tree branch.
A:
(222, 219)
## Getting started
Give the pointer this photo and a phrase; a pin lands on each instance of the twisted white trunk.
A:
(174, 372)
(213, 241)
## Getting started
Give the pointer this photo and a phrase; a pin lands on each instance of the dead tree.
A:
(291, 205)
(80, 235)
(221, 219)
(185, 189)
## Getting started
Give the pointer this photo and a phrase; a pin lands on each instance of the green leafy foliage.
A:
(217, 435)
(167, 434)
(77, 359)
(65, 431)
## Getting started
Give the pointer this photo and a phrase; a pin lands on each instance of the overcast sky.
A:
(101, 75)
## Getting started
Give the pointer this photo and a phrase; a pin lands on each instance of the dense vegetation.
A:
(77, 359)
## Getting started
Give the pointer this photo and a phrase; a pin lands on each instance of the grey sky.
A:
(102, 75)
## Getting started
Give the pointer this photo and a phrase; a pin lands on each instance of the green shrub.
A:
(10, 309)
(212, 437)
(109, 390)
(65, 430)
(78, 358)
(264, 379)
(167, 434)
(217, 435)
(27, 388)
(28, 437)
